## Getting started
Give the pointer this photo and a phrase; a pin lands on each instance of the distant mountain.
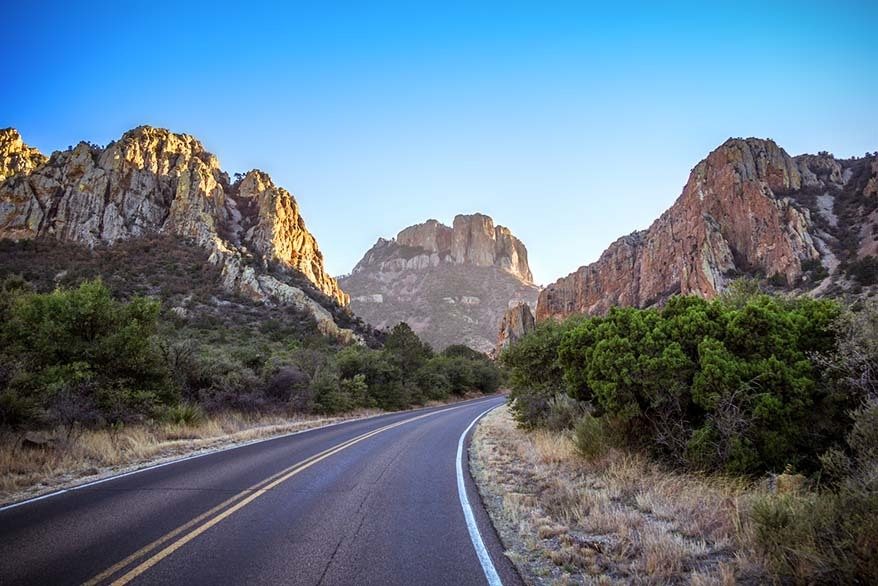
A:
(154, 183)
(450, 284)
(807, 223)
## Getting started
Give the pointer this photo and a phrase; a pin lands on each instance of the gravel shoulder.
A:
(617, 520)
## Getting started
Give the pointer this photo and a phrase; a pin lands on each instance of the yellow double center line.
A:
(223, 510)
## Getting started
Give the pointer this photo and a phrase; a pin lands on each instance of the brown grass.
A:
(59, 462)
(616, 519)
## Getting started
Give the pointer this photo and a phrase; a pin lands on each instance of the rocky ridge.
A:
(450, 284)
(747, 209)
(472, 240)
(153, 181)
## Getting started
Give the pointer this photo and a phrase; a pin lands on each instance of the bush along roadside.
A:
(747, 385)
(79, 357)
(77, 360)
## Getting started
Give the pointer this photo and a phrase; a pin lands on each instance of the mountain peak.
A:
(154, 181)
(473, 239)
(451, 284)
(747, 209)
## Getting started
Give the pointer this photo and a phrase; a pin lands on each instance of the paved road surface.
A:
(365, 502)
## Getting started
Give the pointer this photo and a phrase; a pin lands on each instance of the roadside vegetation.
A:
(764, 407)
(97, 373)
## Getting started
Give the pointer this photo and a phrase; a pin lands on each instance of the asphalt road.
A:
(375, 501)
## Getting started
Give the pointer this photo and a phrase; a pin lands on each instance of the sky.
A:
(570, 123)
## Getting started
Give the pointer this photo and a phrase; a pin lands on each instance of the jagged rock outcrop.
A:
(15, 156)
(516, 323)
(431, 236)
(450, 284)
(153, 181)
(472, 240)
(747, 209)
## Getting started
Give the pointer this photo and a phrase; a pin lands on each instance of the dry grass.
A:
(617, 519)
(28, 471)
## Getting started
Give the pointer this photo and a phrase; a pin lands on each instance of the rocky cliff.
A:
(516, 323)
(748, 209)
(472, 240)
(154, 182)
(15, 156)
(450, 284)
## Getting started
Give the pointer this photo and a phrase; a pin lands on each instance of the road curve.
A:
(374, 501)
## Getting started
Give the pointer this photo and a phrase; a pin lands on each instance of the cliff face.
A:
(744, 211)
(472, 240)
(152, 181)
(516, 323)
(15, 156)
(450, 284)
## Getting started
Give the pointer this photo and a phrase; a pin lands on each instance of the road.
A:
(374, 501)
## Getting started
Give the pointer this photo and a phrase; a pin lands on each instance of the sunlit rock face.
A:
(517, 322)
(451, 284)
(15, 156)
(153, 181)
(747, 209)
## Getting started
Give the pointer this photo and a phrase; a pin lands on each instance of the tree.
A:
(407, 347)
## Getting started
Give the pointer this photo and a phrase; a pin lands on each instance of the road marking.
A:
(214, 516)
(170, 535)
(491, 574)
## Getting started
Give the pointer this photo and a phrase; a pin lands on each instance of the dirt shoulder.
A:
(617, 520)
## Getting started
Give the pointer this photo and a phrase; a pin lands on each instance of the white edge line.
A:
(209, 453)
(491, 574)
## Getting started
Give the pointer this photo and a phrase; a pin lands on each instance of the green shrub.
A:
(529, 407)
(778, 280)
(459, 373)
(184, 414)
(562, 412)
(815, 269)
(533, 360)
(728, 384)
(864, 270)
(535, 373)
(83, 342)
(433, 384)
(485, 376)
(355, 388)
(591, 437)
(328, 397)
(462, 351)
(17, 411)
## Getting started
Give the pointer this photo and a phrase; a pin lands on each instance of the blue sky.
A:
(571, 123)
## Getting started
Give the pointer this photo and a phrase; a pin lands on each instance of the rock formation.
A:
(450, 284)
(15, 156)
(473, 240)
(747, 209)
(152, 181)
(516, 322)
